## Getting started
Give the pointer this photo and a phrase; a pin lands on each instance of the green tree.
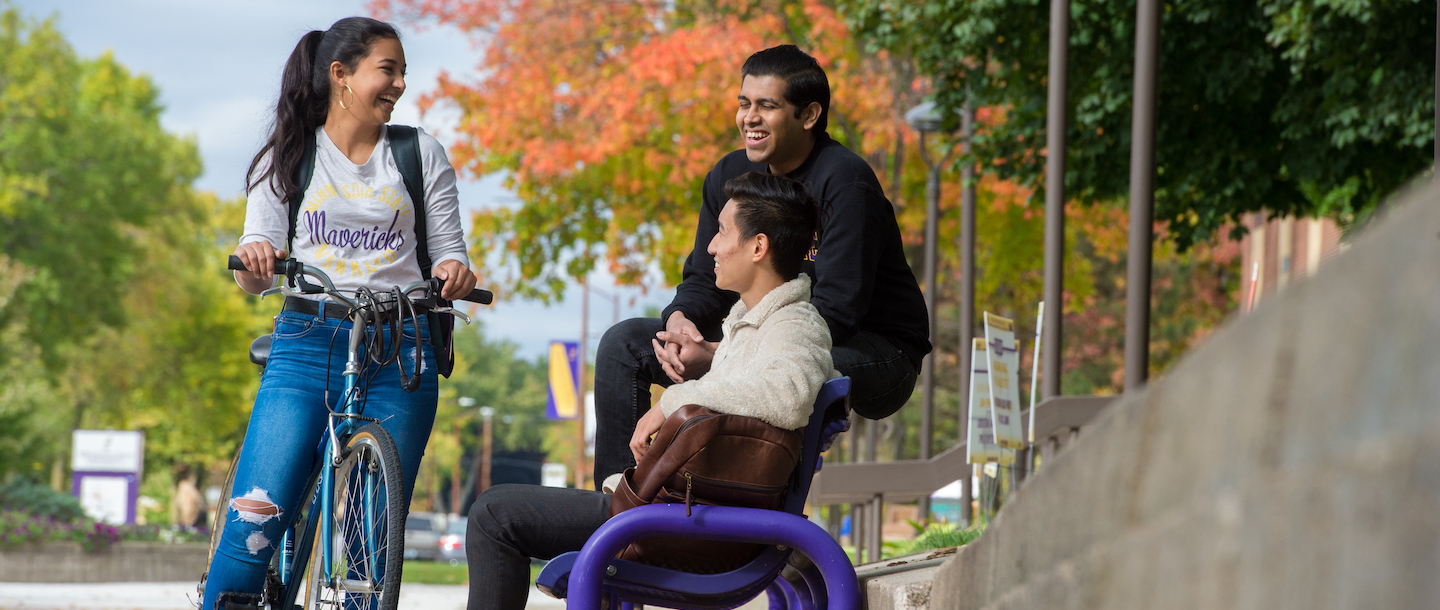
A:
(115, 309)
(179, 369)
(83, 159)
(1291, 106)
(32, 431)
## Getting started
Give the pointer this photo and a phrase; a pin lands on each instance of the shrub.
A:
(41, 501)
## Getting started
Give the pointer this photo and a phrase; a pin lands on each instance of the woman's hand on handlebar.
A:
(259, 257)
(458, 278)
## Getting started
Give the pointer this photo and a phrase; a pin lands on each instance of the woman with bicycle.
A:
(356, 220)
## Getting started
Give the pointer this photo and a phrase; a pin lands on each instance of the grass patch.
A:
(935, 536)
(442, 573)
(435, 573)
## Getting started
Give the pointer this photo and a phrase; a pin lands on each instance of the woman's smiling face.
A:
(377, 83)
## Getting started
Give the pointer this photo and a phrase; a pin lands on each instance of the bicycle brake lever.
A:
(281, 289)
(306, 287)
(451, 310)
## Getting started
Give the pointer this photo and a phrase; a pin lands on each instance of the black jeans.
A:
(881, 376)
(509, 524)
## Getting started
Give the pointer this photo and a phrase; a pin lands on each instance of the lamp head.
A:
(924, 118)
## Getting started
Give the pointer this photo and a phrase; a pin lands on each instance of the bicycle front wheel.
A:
(368, 535)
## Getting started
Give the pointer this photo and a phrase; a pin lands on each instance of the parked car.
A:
(422, 535)
(452, 544)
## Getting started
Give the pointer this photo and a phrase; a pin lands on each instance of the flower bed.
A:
(19, 528)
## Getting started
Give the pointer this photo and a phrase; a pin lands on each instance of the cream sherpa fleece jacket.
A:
(770, 364)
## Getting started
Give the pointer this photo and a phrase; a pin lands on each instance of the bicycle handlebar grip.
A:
(483, 297)
(236, 264)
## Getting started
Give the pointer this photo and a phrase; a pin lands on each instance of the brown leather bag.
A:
(703, 457)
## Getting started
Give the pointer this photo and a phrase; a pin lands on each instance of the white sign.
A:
(980, 445)
(1003, 357)
(108, 451)
(105, 498)
(553, 475)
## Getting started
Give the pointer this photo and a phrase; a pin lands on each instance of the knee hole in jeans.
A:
(255, 508)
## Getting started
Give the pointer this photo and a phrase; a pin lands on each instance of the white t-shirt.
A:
(357, 221)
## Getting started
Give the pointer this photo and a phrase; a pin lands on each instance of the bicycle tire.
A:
(217, 526)
(365, 570)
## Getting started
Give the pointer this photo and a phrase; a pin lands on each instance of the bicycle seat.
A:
(260, 349)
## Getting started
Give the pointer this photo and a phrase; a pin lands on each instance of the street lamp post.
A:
(926, 119)
(486, 413)
(465, 402)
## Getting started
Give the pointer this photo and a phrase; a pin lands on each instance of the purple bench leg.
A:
(816, 584)
(712, 523)
(792, 597)
(776, 593)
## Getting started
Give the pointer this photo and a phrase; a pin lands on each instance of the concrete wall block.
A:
(1291, 461)
(122, 562)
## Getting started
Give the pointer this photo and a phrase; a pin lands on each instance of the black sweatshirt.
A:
(861, 278)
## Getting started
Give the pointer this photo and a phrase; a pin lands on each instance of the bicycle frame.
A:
(345, 419)
(322, 503)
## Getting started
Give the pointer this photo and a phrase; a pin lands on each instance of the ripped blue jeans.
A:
(286, 427)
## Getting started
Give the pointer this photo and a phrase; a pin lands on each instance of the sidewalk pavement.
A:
(181, 596)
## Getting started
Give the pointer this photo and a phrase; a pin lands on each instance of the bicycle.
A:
(346, 547)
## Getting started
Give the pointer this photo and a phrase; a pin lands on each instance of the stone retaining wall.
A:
(122, 562)
(1291, 461)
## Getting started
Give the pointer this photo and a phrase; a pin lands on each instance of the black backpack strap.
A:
(405, 146)
(303, 173)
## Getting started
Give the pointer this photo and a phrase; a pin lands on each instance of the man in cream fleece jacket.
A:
(770, 364)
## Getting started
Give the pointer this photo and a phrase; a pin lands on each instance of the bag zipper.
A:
(688, 482)
(694, 420)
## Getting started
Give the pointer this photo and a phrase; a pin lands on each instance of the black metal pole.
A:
(1142, 195)
(1055, 198)
(967, 287)
(927, 372)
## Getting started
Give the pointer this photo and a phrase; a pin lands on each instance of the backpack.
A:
(405, 148)
(696, 459)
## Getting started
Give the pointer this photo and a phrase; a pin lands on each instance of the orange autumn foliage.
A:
(607, 114)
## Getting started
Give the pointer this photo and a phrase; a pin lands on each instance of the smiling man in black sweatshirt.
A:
(863, 286)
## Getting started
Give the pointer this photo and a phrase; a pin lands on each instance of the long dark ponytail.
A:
(305, 97)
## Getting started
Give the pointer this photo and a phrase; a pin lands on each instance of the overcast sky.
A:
(217, 65)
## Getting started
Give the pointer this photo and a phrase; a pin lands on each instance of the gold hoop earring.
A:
(352, 98)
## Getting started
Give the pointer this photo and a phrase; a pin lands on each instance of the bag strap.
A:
(303, 173)
(405, 147)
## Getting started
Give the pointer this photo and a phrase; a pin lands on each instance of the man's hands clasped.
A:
(685, 354)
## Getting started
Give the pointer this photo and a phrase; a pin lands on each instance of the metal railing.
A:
(868, 485)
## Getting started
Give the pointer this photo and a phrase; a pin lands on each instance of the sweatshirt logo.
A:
(346, 250)
(356, 239)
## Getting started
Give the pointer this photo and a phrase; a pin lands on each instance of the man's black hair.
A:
(805, 80)
(782, 210)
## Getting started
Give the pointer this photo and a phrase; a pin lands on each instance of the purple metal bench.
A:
(828, 581)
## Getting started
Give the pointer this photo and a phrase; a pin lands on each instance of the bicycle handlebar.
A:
(291, 267)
